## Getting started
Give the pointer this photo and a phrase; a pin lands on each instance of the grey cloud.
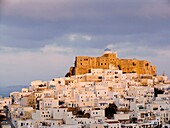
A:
(60, 10)
(38, 22)
(133, 28)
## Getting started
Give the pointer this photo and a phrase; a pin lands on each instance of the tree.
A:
(86, 115)
(133, 120)
(80, 113)
(110, 110)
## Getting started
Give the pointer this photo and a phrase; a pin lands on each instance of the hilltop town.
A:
(97, 92)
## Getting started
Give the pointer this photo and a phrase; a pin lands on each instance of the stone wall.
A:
(83, 64)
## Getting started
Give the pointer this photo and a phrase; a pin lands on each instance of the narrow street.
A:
(8, 118)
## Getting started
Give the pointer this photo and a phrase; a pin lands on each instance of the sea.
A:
(6, 90)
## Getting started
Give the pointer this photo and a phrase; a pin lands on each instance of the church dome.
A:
(107, 51)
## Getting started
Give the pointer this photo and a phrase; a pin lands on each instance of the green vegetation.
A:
(110, 110)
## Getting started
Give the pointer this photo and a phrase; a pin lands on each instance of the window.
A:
(100, 77)
(133, 64)
(155, 108)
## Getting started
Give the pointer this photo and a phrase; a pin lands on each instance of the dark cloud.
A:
(40, 21)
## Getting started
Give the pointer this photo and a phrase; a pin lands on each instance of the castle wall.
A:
(83, 64)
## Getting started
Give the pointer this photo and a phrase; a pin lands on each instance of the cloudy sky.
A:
(40, 38)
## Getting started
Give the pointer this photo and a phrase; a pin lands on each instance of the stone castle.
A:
(83, 64)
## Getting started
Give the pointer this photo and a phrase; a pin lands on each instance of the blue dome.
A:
(107, 49)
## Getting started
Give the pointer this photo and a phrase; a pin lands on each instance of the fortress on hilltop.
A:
(83, 64)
